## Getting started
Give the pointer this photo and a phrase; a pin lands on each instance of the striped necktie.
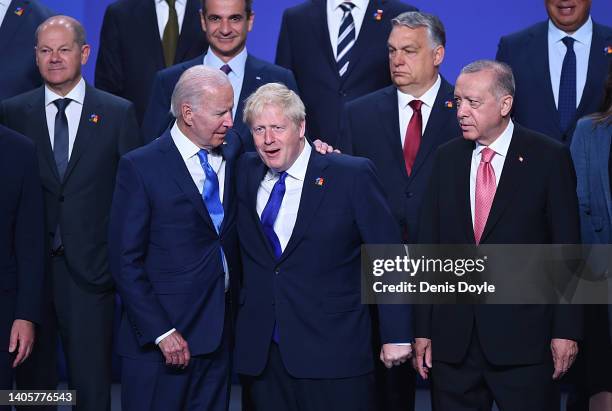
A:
(346, 38)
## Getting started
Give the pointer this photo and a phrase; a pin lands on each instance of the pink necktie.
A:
(485, 192)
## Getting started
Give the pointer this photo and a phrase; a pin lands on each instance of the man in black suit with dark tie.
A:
(21, 253)
(399, 128)
(337, 52)
(560, 66)
(80, 134)
(500, 184)
(18, 21)
(141, 37)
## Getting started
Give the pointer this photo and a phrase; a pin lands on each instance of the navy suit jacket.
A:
(131, 50)
(313, 291)
(256, 73)
(534, 104)
(591, 153)
(164, 251)
(21, 234)
(304, 48)
(19, 71)
(80, 203)
(370, 128)
(535, 203)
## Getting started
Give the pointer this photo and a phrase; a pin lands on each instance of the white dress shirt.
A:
(405, 111)
(294, 182)
(189, 153)
(236, 76)
(556, 54)
(334, 18)
(3, 9)
(500, 146)
(162, 12)
(73, 112)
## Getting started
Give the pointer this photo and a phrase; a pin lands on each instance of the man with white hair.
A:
(173, 250)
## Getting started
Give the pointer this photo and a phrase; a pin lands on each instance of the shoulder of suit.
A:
(606, 31)
(526, 33)
(537, 141)
(398, 6)
(108, 98)
(299, 9)
(16, 142)
(180, 68)
(365, 101)
(344, 163)
(20, 100)
(39, 11)
(267, 66)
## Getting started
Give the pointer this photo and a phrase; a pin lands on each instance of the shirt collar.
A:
(582, 35)
(77, 94)
(299, 166)
(237, 64)
(428, 98)
(181, 2)
(502, 143)
(359, 4)
(186, 147)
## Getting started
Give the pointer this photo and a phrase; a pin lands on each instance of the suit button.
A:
(409, 194)
(342, 93)
(277, 271)
(61, 199)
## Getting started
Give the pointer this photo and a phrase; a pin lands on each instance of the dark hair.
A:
(248, 7)
(604, 115)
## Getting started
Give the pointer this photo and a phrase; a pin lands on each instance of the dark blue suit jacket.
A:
(19, 71)
(304, 48)
(370, 128)
(256, 73)
(534, 104)
(131, 51)
(164, 251)
(21, 234)
(313, 291)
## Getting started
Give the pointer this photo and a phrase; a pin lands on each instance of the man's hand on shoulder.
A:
(324, 148)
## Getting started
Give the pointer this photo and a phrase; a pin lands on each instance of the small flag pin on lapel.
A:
(257, 78)
(378, 14)
(608, 50)
(320, 181)
(19, 11)
(449, 103)
(94, 118)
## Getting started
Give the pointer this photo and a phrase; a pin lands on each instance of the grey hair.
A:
(276, 94)
(416, 19)
(192, 83)
(69, 22)
(504, 79)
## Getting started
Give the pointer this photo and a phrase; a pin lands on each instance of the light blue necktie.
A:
(210, 193)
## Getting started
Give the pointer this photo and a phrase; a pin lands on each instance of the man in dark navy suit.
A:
(18, 21)
(21, 252)
(399, 128)
(141, 37)
(226, 24)
(560, 66)
(80, 134)
(303, 338)
(337, 52)
(174, 253)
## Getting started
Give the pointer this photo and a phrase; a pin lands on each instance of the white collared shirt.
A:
(294, 182)
(236, 76)
(162, 11)
(334, 18)
(500, 146)
(73, 112)
(556, 54)
(3, 9)
(405, 111)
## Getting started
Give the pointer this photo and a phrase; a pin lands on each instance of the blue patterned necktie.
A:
(210, 193)
(567, 87)
(346, 38)
(268, 217)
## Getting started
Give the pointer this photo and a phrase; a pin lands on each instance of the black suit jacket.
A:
(534, 104)
(131, 50)
(21, 234)
(80, 203)
(370, 128)
(256, 73)
(304, 48)
(19, 72)
(535, 203)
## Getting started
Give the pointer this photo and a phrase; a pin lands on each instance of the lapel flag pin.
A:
(19, 11)
(320, 181)
(608, 50)
(521, 159)
(257, 78)
(449, 103)
(378, 15)
(94, 118)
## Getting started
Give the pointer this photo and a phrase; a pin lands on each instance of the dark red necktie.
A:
(412, 141)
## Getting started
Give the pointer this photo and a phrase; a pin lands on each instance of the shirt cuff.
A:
(164, 335)
(408, 344)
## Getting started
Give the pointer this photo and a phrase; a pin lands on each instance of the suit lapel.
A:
(389, 118)
(148, 30)
(602, 152)
(252, 81)
(187, 37)
(462, 182)
(318, 18)
(254, 179)
(513, 172)
(12, 21)
(597, 69)
(37, 123)
(312, 194)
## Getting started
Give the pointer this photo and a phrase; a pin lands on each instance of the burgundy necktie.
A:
(412, 141)
(226, 69)
(485, 192)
